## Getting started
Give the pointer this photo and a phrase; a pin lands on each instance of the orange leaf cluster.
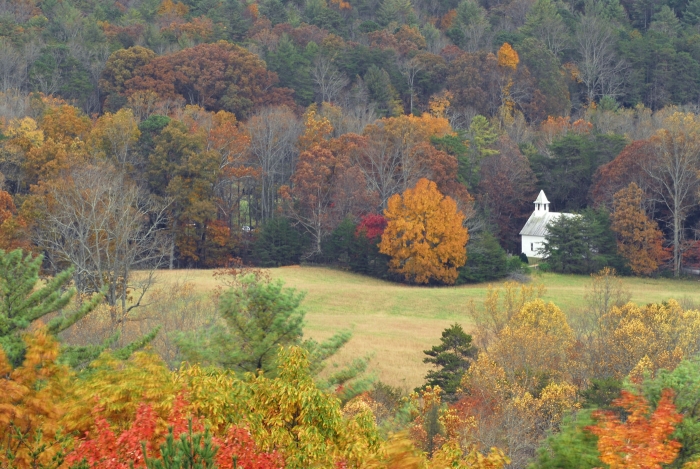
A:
(425, 236)
(643, 440)
(30, 434)
(639, 239)
(507, 57)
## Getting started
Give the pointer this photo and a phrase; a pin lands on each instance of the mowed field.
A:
(395, 323)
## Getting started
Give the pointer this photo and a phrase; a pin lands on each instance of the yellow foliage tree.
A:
(25, 132)
(425, 236)
(536, 341)
(30, 405)
(118, 387)
(65, 123)
(502, 303)
(664, 333)
(288, 413)
(114, 136)
(415, 129)
(317, 129)
(440, 103)
(507, 59)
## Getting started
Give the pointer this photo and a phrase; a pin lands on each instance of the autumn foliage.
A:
(643, 440)
(103, 449)
(30, 405)
(424, 235)
(639, 239)
(219, 76)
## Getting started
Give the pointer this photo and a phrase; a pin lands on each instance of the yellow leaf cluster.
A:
(499, 307)
(417, 129)
(25, 129)
(664, 333)
(114, 135)
(399, 452)
(439, 104)
(317, 129)
(118, 387)
(287, 413)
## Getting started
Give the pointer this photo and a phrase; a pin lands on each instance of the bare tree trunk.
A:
(674, 173)
(172, 252)
(273, 134)
(600, 70)
(104, 225)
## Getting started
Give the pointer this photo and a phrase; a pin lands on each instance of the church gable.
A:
(534, 232)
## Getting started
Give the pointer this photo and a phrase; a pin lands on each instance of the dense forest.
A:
(262, 131)
(405, 140)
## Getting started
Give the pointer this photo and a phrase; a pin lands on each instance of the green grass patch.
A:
(395, 323)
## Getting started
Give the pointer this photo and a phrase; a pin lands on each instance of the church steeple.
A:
(541, 203)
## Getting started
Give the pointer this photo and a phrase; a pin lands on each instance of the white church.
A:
(534, 232)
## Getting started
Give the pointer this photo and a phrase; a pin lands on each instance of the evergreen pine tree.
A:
(278, 243)
(21, 302)
(260, 318)
(581, 244)
(486, 260)
(451, 358)
(192, 450)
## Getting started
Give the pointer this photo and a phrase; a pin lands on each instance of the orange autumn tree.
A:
(508, 62)
(30, 405)
(13, 227)
(425, 236)
(639, 239)
(643, 440)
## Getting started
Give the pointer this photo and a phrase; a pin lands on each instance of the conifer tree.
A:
(261, 317)
(21, 302)
(192, 450)
(451, 358)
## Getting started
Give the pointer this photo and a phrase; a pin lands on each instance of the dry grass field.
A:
(395, 323)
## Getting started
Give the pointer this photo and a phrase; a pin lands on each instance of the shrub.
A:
(486, 260)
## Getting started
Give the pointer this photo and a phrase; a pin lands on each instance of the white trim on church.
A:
(534, 232)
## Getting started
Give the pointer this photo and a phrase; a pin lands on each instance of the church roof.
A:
(537, 223)
(541, 198)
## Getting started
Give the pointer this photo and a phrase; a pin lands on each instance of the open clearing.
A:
(395, 323)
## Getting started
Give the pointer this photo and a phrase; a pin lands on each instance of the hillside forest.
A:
(405, 140)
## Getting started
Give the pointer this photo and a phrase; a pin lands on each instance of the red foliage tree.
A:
(106, 450)
(371, 226)
(626, 168)
(239, 446)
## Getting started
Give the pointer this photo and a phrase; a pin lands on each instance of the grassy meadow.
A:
(395, 323)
